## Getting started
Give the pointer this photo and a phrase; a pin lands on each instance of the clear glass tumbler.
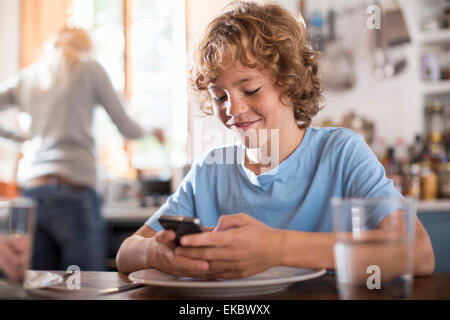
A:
(17, 225)
(374, 247)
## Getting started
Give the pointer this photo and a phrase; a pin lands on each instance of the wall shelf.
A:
(441, 37)
(436, 87)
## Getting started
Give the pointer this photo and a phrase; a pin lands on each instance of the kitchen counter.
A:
(128, 210)
(439, 205)
(123, 219)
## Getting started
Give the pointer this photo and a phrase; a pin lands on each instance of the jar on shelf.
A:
(430, 23)
(431, 65)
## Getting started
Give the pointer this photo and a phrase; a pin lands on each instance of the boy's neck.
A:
(261, 160)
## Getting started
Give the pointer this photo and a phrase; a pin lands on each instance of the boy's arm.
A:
(147, 249)
(133, 253)
(246, 246)
(150, 249)
(315, 250)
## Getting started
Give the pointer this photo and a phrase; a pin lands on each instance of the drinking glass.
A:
(17, 224)
(374, 247)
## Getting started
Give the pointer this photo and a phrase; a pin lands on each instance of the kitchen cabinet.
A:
(123, 219)
(435, 216)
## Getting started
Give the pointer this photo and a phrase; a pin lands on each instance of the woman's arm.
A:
(8, 99)
(8, 93)
(108, 98)
(10, 135)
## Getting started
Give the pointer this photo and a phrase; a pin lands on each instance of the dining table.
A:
(432, 287)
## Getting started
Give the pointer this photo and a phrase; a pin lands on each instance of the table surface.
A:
(434, 287)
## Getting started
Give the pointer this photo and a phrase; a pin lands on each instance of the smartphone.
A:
(181, 225)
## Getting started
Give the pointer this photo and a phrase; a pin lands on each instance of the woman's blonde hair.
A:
(264, 36)
(56, 66)
(73, 42)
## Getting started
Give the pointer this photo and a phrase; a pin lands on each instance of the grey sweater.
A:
(61, 128)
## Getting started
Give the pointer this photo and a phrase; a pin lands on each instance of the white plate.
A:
(270, 281)
(41, 279)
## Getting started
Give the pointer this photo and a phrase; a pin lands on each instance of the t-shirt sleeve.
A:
(181, 203)
(364, 177)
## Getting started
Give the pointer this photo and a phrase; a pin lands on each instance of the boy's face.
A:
(247, 100)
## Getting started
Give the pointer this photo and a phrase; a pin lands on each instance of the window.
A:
(142, 45)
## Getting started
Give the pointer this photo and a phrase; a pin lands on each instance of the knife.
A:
(125, 287)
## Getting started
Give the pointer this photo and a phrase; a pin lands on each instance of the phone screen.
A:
(180, 225)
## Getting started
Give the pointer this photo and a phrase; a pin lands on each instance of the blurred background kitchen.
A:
(391, 84)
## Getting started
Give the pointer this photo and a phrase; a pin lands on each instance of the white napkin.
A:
(40, 279)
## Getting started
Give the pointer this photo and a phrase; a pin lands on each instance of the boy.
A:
(255, 70)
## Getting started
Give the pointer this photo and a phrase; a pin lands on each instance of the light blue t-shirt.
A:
(328, 162)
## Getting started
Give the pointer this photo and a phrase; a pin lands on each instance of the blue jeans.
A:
(70, 229)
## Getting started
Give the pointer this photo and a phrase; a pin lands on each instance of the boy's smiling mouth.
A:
(244, 126)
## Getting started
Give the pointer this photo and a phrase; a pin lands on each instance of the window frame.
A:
(128, 7)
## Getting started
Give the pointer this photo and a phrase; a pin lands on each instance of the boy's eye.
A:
(249, 93)
(218, 99)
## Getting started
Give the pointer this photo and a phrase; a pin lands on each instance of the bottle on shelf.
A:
(416, 149)
(414, 186)
(438, 154)
(429, 182)
(444, 180)
(401, 151)
(434, 121)
(393, 169)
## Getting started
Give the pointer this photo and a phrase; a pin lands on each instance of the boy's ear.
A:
(285, 100)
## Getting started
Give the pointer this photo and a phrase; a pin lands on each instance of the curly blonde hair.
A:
(273, 37)
(56, 66)
(73, 42)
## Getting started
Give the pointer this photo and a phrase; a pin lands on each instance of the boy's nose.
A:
(235, 107)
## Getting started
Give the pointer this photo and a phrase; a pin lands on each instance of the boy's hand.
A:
(240, 246)
(169, 262)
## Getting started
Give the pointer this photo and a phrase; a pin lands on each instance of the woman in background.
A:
(59, 165)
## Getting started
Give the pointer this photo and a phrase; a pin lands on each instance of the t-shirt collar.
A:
(276, 172)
